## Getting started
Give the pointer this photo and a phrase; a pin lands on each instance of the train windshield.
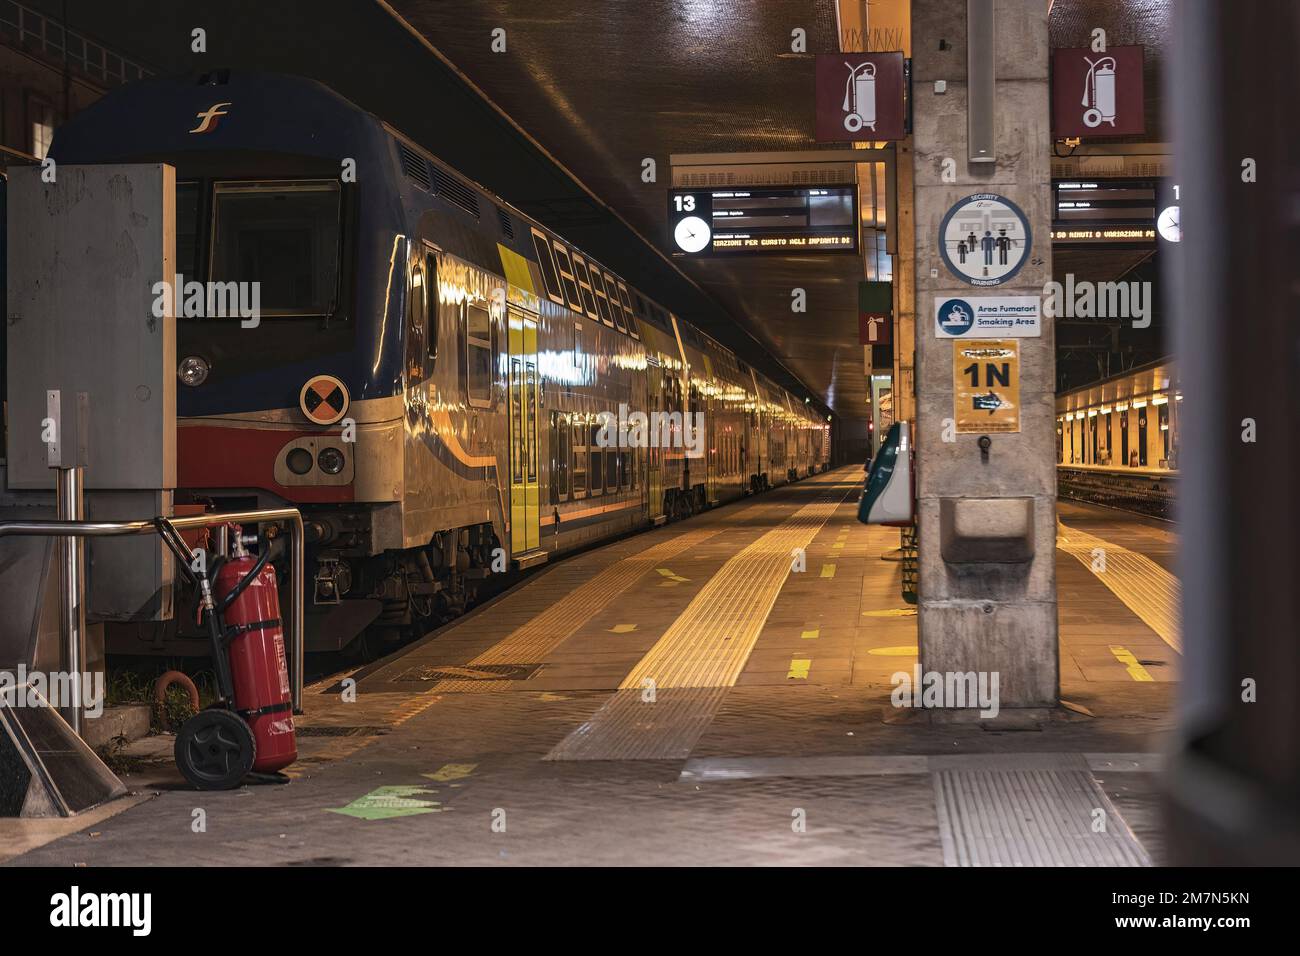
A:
(282, 235)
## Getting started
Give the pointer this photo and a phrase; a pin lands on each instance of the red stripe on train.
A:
(212, 457)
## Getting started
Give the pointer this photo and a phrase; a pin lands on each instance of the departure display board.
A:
(1104, 211)
(761, 220)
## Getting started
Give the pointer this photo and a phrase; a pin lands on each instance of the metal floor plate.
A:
(1030, 818)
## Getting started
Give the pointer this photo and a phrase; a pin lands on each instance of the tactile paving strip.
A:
(1030, 818)
(1146, 589)
(531, 642)
(628, 727)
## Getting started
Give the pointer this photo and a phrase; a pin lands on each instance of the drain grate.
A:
(475, 672)
(340, 731)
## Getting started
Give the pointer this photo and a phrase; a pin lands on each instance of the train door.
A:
(525, 493)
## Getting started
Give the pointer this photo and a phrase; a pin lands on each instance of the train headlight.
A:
(193, 370)
(331, 460)
(299, 461)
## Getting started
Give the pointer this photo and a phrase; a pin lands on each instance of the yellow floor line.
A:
(828, 570)
(811, 635)
(1135, 670)
(799, 668)
(1146, 589)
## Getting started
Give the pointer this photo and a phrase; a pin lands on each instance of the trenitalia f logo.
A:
(208, 118)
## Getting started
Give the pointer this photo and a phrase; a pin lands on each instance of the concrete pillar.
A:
(995, 611)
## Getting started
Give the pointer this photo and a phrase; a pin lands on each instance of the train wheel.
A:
(215, 750)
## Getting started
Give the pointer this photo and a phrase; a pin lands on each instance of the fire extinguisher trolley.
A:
(249, 729)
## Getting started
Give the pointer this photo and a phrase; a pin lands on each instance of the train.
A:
(447, 389)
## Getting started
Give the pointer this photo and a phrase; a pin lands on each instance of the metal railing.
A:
(110, 529)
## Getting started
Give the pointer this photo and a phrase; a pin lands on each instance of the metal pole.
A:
(297, 560)
(72, 580)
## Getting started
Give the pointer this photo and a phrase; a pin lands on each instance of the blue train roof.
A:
(222, 109)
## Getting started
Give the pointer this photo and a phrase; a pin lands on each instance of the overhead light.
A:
(1160, 400)
(1139, 403)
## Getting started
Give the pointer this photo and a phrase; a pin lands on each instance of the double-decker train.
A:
(429, 374)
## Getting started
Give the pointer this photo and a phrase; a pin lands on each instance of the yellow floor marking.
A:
(891, 612)
(672, 579)
(811, 635)
(1146, 589)
(1125, 657)
(903, 650)
(548, 696)
(451, 771)
(799, 667)
(828, 570)
(622, 628)
(837, 545)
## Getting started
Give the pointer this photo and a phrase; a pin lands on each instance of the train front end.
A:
(286, 300)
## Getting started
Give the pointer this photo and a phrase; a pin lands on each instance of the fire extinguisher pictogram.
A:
(1099, 92)
(860, 97)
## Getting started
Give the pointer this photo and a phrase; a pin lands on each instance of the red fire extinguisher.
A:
(250, 729)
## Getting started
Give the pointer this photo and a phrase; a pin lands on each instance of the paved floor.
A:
(681, 697)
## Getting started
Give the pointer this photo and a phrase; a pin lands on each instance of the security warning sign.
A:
(986, 385)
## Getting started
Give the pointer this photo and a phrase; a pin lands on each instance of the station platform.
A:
(525, 732)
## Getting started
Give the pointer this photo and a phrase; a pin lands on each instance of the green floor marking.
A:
(387, 802)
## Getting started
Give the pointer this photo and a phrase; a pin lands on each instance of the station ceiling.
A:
(605, 86)
(559, 124)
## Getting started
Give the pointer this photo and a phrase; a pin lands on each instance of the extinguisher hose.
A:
(244, 582)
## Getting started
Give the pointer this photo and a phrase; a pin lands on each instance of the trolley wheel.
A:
(215, 750)
(1092, 118)
(853, 122)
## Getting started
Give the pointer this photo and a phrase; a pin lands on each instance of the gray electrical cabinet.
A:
(87, 247)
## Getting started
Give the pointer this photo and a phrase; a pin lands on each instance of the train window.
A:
(478, 355)
(431, 297)
(615, 307)
(584, 283)
(613, 459)
(627, 311)
(579, 459)
(546, 261)
(417, 323)
(567, 278)
(602, 301)
(596, 469)
(283, 236)
(531, 401)
(189, 199)
(626, 469)
(515, 392)
(577, 343)
(561, 439)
